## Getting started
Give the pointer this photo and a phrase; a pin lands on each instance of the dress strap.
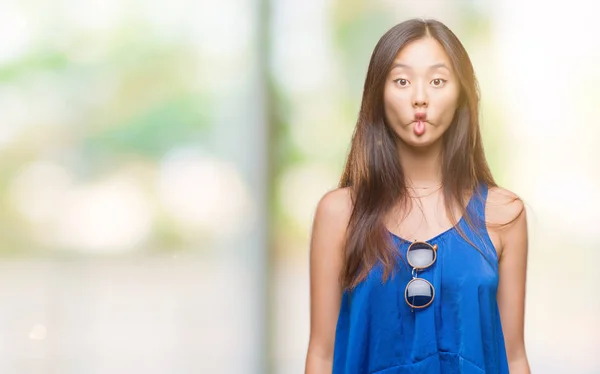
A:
(476, 206)
(478, 233)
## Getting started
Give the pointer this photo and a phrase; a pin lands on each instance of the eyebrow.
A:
(432, 67)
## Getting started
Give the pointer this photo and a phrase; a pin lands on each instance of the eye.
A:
(402, 82)
(438, 82)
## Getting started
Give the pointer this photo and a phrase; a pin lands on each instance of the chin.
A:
(423, 141)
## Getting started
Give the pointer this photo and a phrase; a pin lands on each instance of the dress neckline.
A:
(445, 232)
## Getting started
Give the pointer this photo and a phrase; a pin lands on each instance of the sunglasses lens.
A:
(419, 293)
(420, 255)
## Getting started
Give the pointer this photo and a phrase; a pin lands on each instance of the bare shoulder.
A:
(335, 206)
(503, 206)
(505, 216)
(330, 224)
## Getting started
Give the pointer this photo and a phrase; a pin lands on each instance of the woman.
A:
(418, 260)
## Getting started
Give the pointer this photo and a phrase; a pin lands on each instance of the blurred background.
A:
(160, 163)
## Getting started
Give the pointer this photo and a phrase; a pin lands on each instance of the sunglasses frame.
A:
(415, 271)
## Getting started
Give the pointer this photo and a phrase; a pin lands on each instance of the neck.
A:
(422, 166)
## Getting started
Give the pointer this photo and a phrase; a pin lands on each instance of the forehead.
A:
(423, 53)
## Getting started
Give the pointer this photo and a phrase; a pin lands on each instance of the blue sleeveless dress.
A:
(460, 332)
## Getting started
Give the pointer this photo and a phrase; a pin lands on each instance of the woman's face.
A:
(421, 93)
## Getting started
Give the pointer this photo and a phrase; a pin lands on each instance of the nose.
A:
(419, 97)
(420, 103)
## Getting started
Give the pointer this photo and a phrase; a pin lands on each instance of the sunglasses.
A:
(419, 293)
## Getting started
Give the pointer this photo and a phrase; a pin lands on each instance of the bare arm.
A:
(326, 261)
(513, 268)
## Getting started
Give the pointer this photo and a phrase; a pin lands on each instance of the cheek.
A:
(393, 103)
(389, 106)
(449, 106)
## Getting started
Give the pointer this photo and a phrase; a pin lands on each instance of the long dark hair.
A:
(373, 171)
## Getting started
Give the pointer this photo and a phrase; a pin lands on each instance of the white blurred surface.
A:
(171, 314)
